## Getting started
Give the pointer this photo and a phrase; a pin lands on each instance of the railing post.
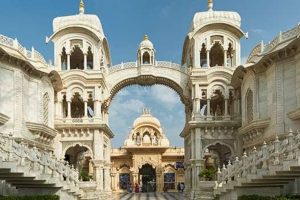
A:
(291, 144)
(265, 155)
(276, 151)
(244, 164)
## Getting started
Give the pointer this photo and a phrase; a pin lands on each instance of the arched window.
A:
(203, 57)
(90, 106)
(90, 59)
(46, 100)
(77, 106)
(230, 55)
(217, 55)
(249, 106)
(65, 106)
(146, 58)
(77, 59)
(64, 59)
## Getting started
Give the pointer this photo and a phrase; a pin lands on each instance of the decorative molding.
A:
(294, 115)
(41, 132)
(3, 119)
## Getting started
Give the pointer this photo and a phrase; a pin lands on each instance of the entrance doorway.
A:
(147, 176)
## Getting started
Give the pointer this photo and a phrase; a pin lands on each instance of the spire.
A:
(146, 37)
(81, 7)
(210, 5)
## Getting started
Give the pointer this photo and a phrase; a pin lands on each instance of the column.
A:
(97, 109)
(85, 109)
(226, 107)
(225, 58)
(85, 61)
(107, 178)
(207, 58)
(208, 107)
(69, 109)
(68, 62)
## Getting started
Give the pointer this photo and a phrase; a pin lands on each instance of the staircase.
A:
(276, 166)
(31, 171)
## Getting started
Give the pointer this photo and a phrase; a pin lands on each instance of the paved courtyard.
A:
(150, 196)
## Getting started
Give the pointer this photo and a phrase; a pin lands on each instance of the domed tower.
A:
(82, 57)
(213, 39)
(146, 52)
(211, 52)
(146, 132)
(79, 42)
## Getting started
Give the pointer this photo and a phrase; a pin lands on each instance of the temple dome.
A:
(146, 119)
(146, 43)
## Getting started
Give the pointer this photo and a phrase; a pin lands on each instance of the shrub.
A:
(43, 197)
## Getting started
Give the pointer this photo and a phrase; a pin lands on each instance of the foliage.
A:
(257, 197)
(84, 176)
(208, 174)
(43, 197)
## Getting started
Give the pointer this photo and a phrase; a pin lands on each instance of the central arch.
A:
(163, 73)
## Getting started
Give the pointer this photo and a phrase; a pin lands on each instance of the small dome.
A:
(146, 43)
(214, 17)
(145, 119)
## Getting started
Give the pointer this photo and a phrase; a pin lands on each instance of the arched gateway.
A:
(210, 54)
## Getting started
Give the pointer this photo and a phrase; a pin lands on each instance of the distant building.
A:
(147, 158)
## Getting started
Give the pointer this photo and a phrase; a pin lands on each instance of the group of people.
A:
(180, 187)
(136, 188)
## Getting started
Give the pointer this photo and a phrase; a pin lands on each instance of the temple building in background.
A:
(147, 158)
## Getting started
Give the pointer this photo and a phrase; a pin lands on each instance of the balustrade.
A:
(262, 161)
(39, 163)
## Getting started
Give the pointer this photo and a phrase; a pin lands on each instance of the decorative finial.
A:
(81, 7)
(146, 37)
(210, 5)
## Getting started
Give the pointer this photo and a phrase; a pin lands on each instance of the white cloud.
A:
(244, 60)
(258, 31)
(165, 96)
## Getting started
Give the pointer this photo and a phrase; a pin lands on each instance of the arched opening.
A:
(217, 155)
(77, 106)
(249, 106)
(77, 58)
(146, 58)
(216, 55)
(90, 59)
(147, 176)
(146, 140)
(230, 56)
(80, 157)
(90, 106)
(203, 56)
(64, 59)
(217, 104)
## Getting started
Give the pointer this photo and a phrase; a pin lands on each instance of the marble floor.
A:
(149, 196)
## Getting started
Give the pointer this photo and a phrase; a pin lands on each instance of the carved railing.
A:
(38, 163)
(29, 54)
(281, 38)
(163, 64)
(263, 161)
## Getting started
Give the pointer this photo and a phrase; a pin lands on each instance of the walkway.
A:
(149, 196)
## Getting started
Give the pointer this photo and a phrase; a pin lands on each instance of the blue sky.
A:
(126, 21)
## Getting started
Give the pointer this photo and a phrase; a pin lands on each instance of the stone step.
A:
(29, 182)
(295, 168)
(47, 185)
(295, 173)
(22, 178)
(15, 174)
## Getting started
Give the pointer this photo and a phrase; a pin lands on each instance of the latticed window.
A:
(46, 108)
(249, 106)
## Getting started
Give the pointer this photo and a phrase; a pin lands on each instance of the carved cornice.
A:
(257, 125)
(42, 132)
(294, 115)
(3, 119)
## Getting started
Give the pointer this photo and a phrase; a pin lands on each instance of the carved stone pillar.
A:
(207, 58)
(68, 62)
(98, 174)
(226, 109)
(208, 108)
(85, 109)
(225, 58)
(107, 179)
(85, 61)
(69, 109)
